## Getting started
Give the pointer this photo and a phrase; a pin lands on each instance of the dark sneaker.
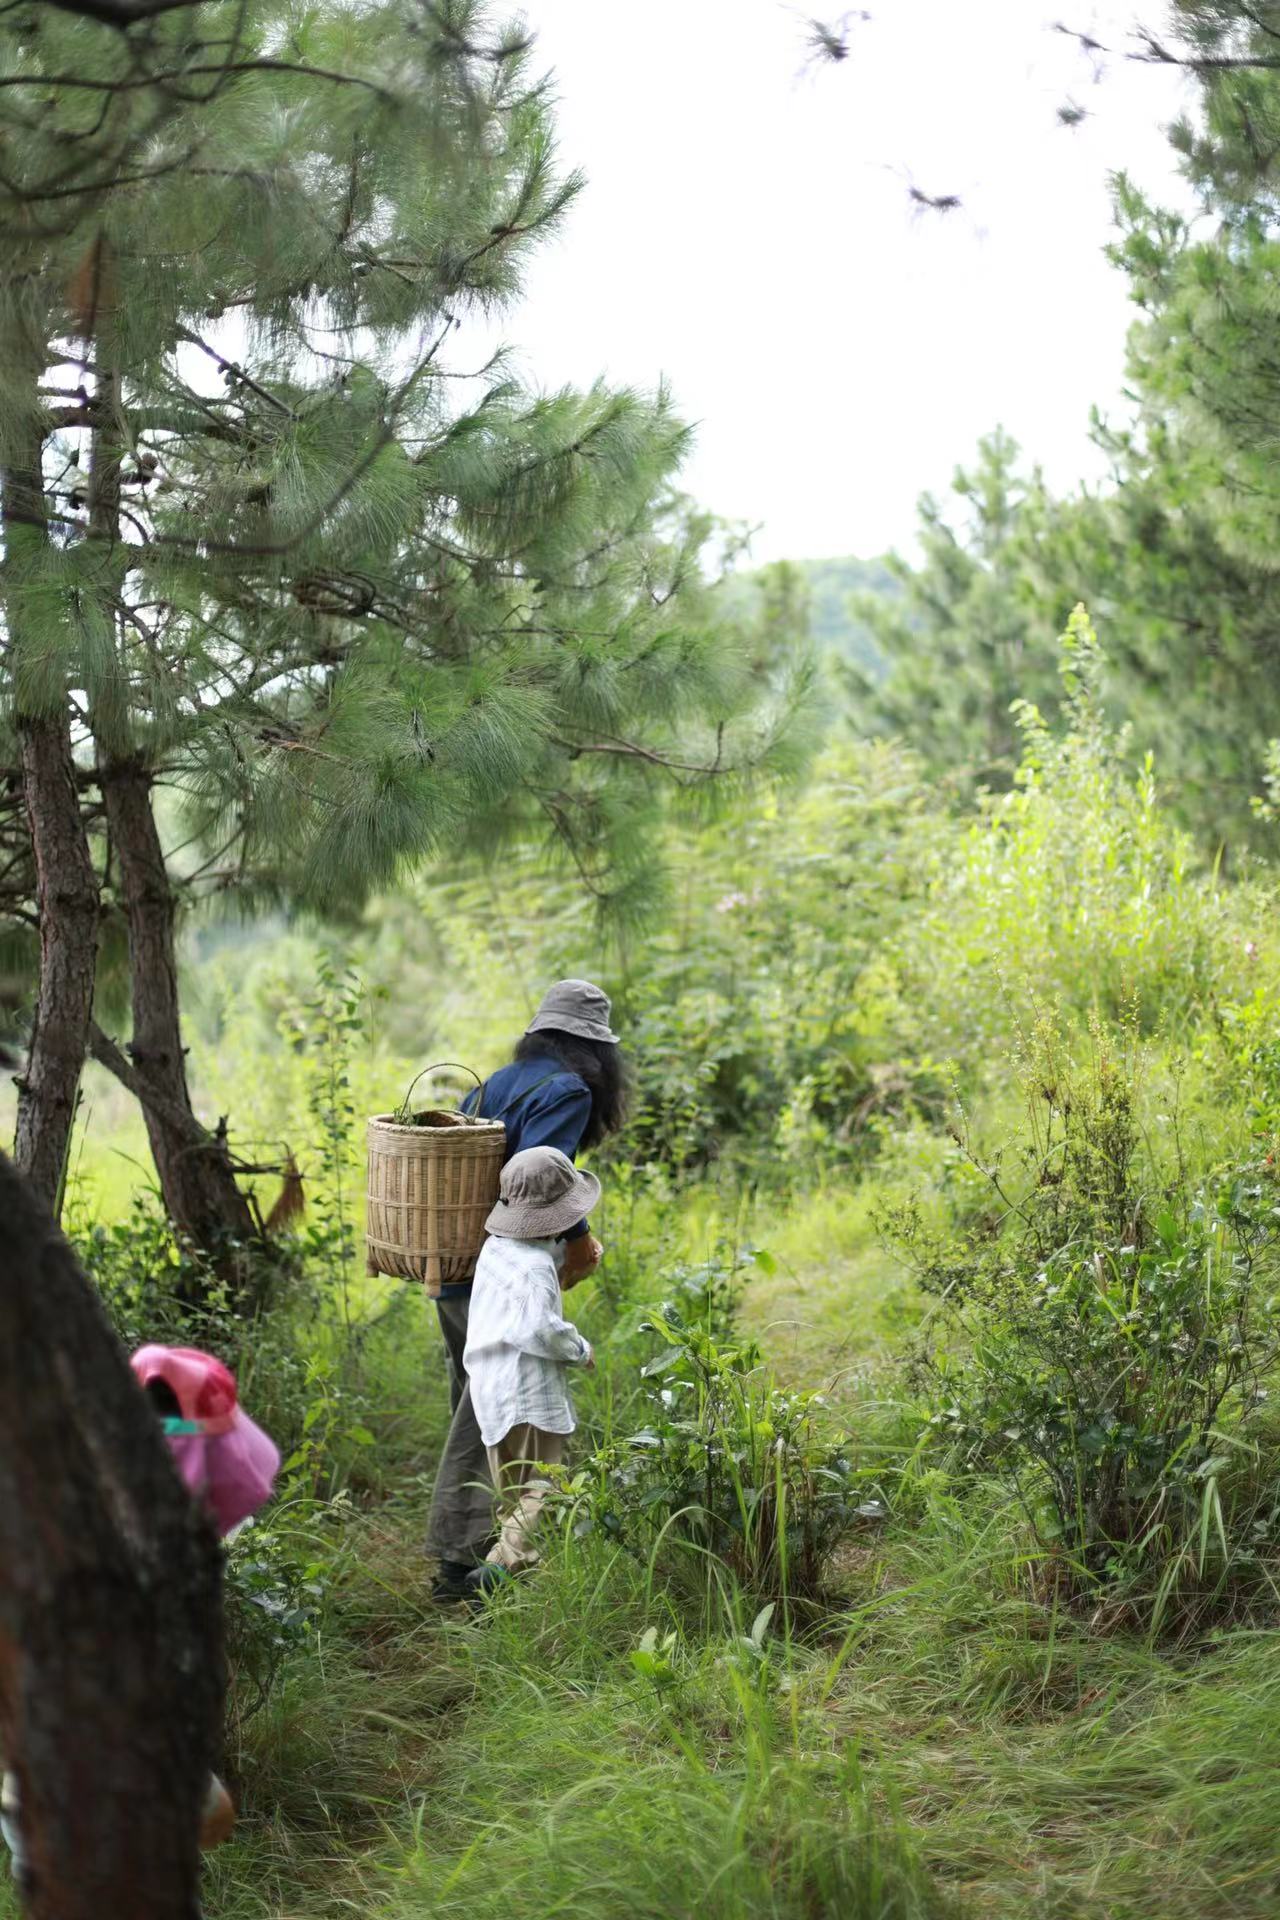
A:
(450, 1584)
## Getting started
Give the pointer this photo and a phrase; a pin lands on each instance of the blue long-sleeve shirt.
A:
(541, 1104)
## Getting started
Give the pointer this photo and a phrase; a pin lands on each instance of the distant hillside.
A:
(832, 583)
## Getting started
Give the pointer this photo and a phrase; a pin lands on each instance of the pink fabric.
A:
(232, 1465)
(233, 1473)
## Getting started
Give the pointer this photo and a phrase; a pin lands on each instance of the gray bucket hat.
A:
(575, 1006)
(543, 1195)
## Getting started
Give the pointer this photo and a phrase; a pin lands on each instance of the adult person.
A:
(566, 1087)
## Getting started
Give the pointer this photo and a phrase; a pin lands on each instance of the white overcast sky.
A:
(746, 231)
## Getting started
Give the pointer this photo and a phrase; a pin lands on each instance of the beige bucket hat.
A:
(575, 1006)
(542, 1196)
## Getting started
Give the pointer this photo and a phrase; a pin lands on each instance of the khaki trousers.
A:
(513, 1466)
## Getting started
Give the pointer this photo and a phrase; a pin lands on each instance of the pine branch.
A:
(150, 419)
(165, 76)
(106, 183)
(632, 750)
(1256, 19)
(1155, 54)
(107, 1054)
(236, 372)
(500, 54)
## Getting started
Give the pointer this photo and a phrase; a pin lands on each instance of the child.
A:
(224, 1457)
(230, 1465)
(519, 1347)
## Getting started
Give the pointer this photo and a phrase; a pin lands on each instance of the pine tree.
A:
(1187, 547)
(964, 638)
(346, 617)
(288, 215)
(1191, 626)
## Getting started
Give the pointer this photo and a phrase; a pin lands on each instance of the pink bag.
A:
(224, 1457)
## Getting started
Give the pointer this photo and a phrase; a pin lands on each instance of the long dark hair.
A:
(599, 1062)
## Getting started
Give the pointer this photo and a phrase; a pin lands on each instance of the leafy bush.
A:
(1242, 1052)
(155, 1289)
(1076, 886)
(765, 1026)
(1103, 1340)
(152, 1285)
(727, 1464)
(278, 1574)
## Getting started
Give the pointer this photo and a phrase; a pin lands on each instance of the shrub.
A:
(766, 1025)
(1103, 1339)
(1244, 1048)
(727, 1464)
(152, 1285)
(1077, 885)
(278, 1574)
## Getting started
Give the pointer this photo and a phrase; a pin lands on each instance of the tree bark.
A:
(195, 1171)
(110, 1603)
(67, 904)
(66, 885)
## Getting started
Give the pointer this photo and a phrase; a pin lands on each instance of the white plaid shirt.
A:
(519, 1345)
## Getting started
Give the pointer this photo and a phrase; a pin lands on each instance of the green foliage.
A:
(1179, 557)
(1188, 616)
(726, 1464)
(1103, 1339)
(961, 637)
(1244, 1053)
(326, 1031)
(837, 590)
(840, 947)
(278, 1575)
(1076, 884)
(146, 1277)
(767, 1027)
(1188, 624)
(828, 594)
(826, 953)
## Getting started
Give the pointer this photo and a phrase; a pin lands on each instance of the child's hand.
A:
(590, 1362)
(581, 1258)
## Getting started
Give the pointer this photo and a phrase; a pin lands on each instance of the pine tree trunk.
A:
(67, 903)
(195, 1171)
(110, 1604)
(66, 884)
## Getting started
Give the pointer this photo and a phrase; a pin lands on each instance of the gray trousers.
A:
(461, 1525)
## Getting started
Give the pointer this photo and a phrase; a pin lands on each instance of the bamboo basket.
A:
(433, 1181)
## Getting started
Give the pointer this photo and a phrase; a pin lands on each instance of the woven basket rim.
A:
(457, 1130)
